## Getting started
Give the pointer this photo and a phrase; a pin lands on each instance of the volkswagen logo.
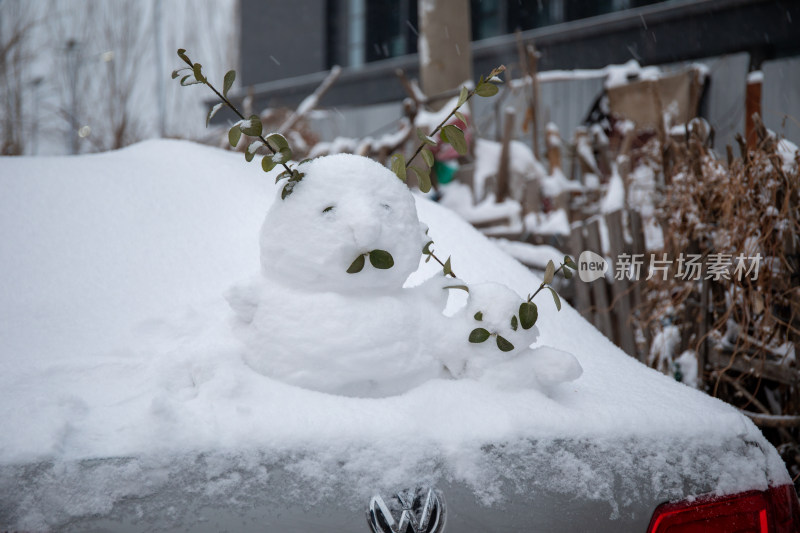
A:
(419, 510)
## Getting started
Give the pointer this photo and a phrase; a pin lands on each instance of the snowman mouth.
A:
(380, 259)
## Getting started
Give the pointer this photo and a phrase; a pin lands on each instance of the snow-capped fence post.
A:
(620, 288)
(553, 142)
(533, 61)
(445, 53)
(501, 182)
(752, 106)
(636, 228)
(599, 286)
(583, 299)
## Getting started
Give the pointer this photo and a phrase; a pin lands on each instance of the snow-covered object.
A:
(128, 399)
(631, 70)
(789, 154)
(614, 199)
(346, 205)
(556, 183)
(309, 321)
(555, 223)
(523, 166)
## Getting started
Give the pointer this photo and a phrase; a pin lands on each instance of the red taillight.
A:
(772, 511)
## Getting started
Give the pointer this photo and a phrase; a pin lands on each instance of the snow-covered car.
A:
(129, 400)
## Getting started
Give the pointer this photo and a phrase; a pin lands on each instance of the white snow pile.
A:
(130, 386)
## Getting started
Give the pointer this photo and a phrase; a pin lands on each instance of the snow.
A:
(631, 70)
(124, 377)
(788, 153)
(552, 223)
(458, 197)
(614, 199)
(755, 76)
(531, 254)
(686, 363)
(523, 164)
(556, 182)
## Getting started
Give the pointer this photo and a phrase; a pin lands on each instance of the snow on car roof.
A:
(115, 341)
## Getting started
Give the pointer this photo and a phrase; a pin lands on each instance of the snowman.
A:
(329, 310)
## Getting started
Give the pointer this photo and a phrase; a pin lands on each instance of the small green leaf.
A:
(425, 138)
(399, 166)
(251, 126)
(462, 97)
(248, 155)
(234, 135)
(267, 164)
(486, 89)
(228, 82)
(427, 248)
(284, 155)
(357, 265)
(503, 344)
(528, 314)
(549, 272)
(427, 155)
(461, 287)
(448, 270)
(567, 273)
(182, 55)
(460, 116)
(556, 299)
(197, 69)
(478, 316)
(443, 136)
(212, 112)
(176, 73)
(381, 259)
(287, 190)
(187, 83)
(277, 142)
(514, 323)
(423, 178)
(570, 263)
(456, 138)
(283, 175)
(478, 335)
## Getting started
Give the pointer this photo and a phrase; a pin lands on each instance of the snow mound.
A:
(324, 317)
(123, 385)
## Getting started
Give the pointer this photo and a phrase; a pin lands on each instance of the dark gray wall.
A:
(662, 33)
(292, 32)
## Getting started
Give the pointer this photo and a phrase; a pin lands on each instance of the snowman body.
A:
(324, 315)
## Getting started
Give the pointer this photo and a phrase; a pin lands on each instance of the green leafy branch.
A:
(449, 133)
(550, 272)
(252, 126)
(446, 267)
(528, 313)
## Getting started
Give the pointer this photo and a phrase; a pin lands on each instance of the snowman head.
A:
(345, 207)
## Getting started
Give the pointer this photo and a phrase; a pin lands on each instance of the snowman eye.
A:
(386, 207)
(329, 209)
